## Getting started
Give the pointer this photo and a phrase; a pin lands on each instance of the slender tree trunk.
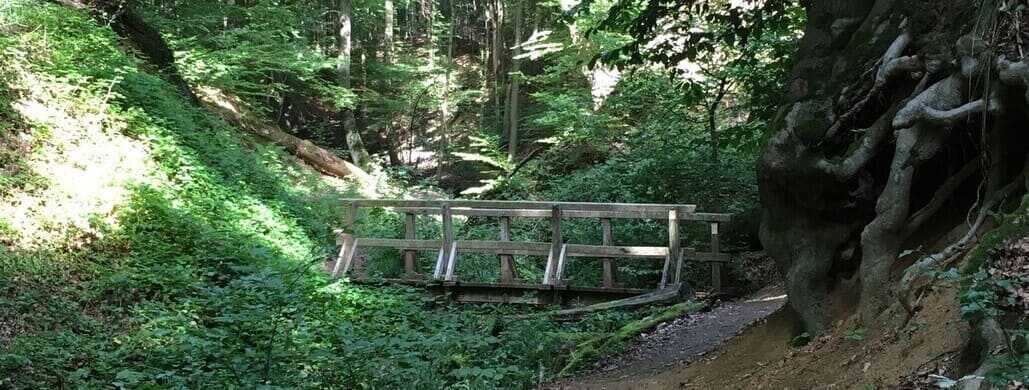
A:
(497, 45)
(357, 150)
(712, 128)
(512, 130)
(387, 38)
(387, 32)
(445, 102)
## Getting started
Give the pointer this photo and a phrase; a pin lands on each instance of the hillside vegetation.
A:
(147, 243)
(173, 176)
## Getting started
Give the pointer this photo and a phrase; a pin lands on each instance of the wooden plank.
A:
(528, 248)
(607, 238)
(348, 256)
(673, 242)
(401, 243)
(555, 244)
(520, 248)
(664, 272)
(410, 256)
(343, 240)
(352, 217)
(509, 204)
(451, 262)
(531, 213)
(507, 267)
(437, 271)
(716, 268)
(580, 250)
(546, 269)
(561, 264)
(447, 236)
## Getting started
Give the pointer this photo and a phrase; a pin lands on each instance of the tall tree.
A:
(358, 153)
(512, 110)
(387, 31)
(496, 49)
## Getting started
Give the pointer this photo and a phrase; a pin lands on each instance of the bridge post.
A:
(352, 218)
(410, 256)
(555, 245)
(607, 237)
(507, 267)
(447, 239)
(716, 267)
(673, 243)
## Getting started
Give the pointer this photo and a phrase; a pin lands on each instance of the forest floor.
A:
(677, 342)
(746, 345)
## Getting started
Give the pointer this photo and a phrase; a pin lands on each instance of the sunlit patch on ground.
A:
(86, 164)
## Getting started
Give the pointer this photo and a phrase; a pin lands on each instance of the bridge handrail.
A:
(557, 251)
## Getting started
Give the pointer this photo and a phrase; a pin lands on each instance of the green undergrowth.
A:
(612, 342)
(147, 244)
(989, 291)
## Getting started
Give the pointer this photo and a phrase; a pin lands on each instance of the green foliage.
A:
(855, 334)
(989, 294)
(606, 343)
(211, 277)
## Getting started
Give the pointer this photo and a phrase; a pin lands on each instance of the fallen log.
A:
(231, 110)
(671, 294)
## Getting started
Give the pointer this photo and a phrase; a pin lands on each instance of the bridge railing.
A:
(557, 251)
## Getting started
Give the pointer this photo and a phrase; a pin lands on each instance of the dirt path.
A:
(677, 342)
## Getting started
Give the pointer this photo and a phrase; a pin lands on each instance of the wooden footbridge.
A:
(553, 287)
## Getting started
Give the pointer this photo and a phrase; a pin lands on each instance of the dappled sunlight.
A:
(85, 160)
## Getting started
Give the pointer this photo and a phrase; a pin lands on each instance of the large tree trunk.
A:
(358, 153)
(889, 101)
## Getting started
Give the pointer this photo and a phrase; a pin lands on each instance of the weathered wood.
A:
(510, 204)
(402, 243)
(520, 248)
(451, 262)
(561, 261)
(558, 253)
(673, 242)
(232, 109)
(664, 272)
(716, 267)
(606, 240)
(555, 244)
(343, 240)
(670, 294)
(581, 250)
(352, 217)
(507, 267)
(441, 258)
(410, 256)
(349, 249)
(447, 240)
(532, 213)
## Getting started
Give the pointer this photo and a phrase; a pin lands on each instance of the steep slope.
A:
(147, 243)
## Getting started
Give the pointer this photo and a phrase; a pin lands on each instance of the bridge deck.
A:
(553, 288)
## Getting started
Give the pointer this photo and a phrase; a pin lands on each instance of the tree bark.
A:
(358, 153)
(496, 49)
(837, 190)
(512, 99)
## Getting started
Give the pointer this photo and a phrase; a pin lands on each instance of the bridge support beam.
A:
(508, 273)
